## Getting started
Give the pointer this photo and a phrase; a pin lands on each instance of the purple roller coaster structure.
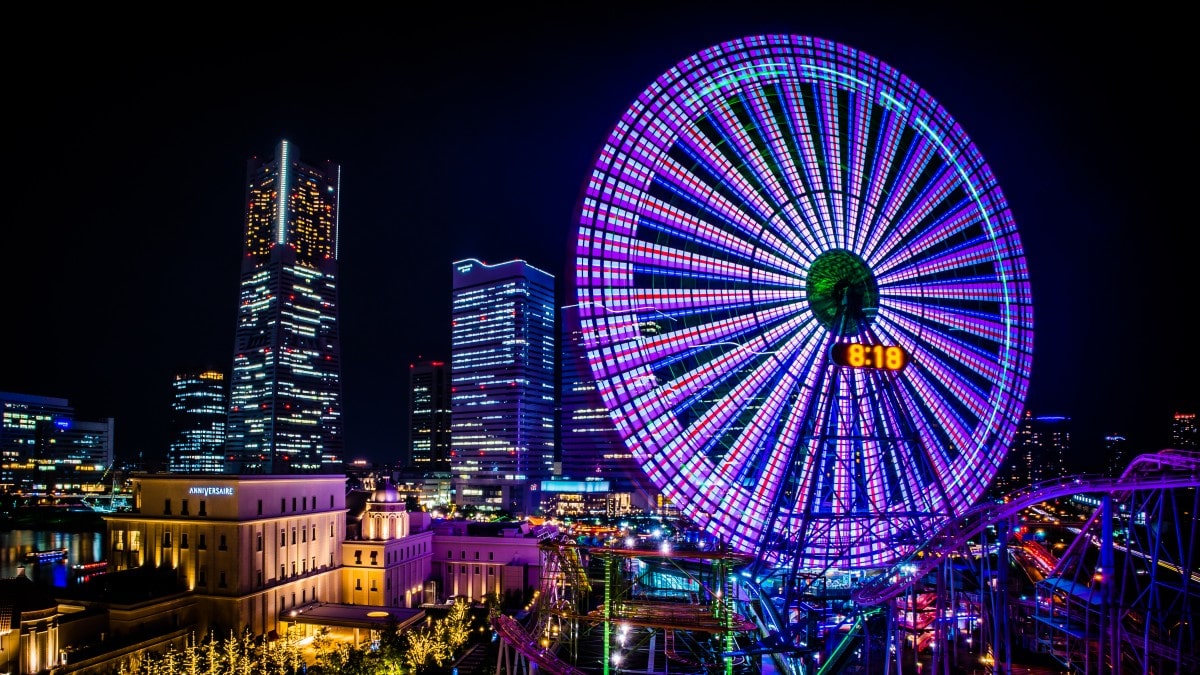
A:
(1095, 611)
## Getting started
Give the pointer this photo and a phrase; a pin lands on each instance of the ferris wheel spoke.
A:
(788, 184)
(705, 146)
(814, 202)
(832, 127)
(970, 463)
(973, 355)
(919, 493)
(908, 179)
(734, 121)
(895, 258)
(654, 304)
(970, 260)
(716, 333)
(950, 421)
(727, 359)
(695, 224)
(858, 169)
(874, 224)
(883, 470)
(777, 248)
(924, 221)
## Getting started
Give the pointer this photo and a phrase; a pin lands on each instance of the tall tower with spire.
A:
(285, 399)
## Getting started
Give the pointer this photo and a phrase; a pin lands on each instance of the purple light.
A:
(709, 203)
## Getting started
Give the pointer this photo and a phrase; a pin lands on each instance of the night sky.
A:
(464, 135)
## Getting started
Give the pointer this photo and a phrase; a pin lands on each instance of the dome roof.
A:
(385, 493)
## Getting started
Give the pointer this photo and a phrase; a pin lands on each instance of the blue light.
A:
(62, 423)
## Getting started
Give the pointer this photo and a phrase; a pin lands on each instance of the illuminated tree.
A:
(235, 655)
(456, 627)
(192, 656)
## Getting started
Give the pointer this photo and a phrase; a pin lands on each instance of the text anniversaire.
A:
(210, 490)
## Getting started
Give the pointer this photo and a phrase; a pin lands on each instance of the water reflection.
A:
(82, 547)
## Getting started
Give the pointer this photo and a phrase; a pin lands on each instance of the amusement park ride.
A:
(808, 313)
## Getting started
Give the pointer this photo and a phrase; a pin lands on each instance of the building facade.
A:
(44, 447)
(199, 408)
(250, 548)
(1117, 455)
(473, 560)
(589, 445)
(585, 499)
(24, 416)
(502, 376)
(388, 563)
(1183, 431)
(428, 418)
(29, 627)
(285, 413)
(1039, 453)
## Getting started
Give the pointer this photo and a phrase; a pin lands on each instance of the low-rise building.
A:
(473, 559)
(250, 547)
(388, 563)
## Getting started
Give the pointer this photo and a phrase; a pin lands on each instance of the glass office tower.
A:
(199, 408)
(502, 378)
(429, 418)
(285, 407)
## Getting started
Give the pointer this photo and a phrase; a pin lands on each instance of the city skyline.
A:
(451, 153)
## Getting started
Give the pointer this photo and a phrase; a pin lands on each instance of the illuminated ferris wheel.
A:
(804, 301)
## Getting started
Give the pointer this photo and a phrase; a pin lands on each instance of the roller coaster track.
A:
(516, 637)
(837, 659)
(1165, 469)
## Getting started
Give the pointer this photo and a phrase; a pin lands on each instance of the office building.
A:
(502, 376)
(22, 416)
(1183, 431)
(1117, 455)
(45, 447)
(73, 455)
(199, 408)
(589, 445)
(285, 412)
(428, 418)
(1039, 453)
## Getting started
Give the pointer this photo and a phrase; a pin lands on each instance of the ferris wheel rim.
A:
(626, 280)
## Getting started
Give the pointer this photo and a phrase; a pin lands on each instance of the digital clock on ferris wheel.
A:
(874, 357)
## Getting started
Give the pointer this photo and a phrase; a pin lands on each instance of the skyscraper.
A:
(502, 377)
(590, 447)
(1117, 455)
(1039, 453)
(1183, 431)
(199, 408)
(285, 407)
(429, 417)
